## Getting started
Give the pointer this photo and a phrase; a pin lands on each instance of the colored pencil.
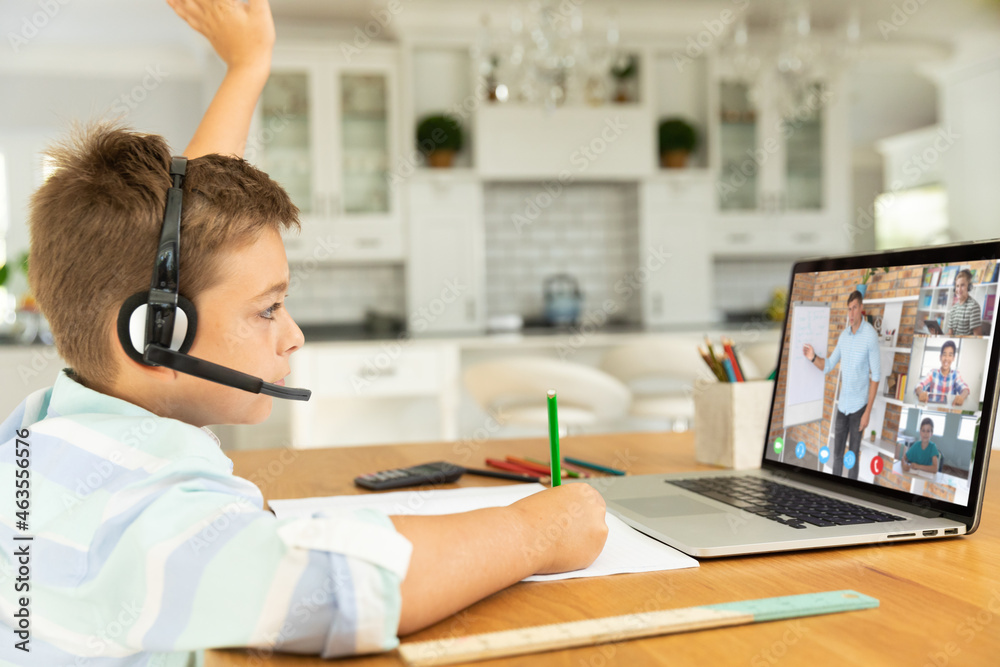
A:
(539, 468)
(736, 360)
(731, 356)
(711, 366)
(593, 466)
(728, 365)
(565, 471)
(512, 467)
(512, 476)
(554, 458)
(575, 468)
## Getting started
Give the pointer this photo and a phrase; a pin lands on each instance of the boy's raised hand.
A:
(241, 33)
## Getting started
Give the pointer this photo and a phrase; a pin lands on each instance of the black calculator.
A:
(438, 472)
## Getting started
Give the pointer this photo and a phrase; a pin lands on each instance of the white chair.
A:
(513, 390)
(661, 375)
(758, 359)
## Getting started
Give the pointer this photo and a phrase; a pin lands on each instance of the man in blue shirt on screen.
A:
(860, 369)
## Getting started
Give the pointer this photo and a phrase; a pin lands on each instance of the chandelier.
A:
(545, 55)
(785, 68)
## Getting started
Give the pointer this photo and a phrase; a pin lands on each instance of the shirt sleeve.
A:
(833, 359)
(958, 386)
(874, 358)
(202, 565)
(925, 384)
(975, 316)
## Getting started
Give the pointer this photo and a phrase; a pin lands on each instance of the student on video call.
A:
(922, 455)
(860, 368)
(963, 318)
(943, 382)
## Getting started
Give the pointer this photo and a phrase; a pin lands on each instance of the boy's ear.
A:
(131, 326)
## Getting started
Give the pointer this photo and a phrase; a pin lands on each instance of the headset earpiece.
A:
(132, 326)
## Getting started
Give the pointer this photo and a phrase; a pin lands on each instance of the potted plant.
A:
(865, 277)
(624, 70)
(677, 139)
(439, 137)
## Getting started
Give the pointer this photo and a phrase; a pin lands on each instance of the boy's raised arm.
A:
(242, 34)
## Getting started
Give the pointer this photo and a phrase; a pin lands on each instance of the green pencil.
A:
(554, 458)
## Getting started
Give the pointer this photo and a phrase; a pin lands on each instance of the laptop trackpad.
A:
(672, 505)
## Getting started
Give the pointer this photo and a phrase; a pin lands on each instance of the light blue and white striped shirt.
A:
(860, 363)
(146, 548)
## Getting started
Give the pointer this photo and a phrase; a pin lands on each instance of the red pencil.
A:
(534, 467)
(731, 355)
(513, 467)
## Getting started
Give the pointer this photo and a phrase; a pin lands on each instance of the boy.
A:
(922, 455)
(943, 382)
(144, 547)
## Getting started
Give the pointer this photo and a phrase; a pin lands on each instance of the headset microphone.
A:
(162, 323)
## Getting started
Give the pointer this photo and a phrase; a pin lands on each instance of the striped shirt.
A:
(940, 386)
(962, 318)
(146, 548)
(859, 364)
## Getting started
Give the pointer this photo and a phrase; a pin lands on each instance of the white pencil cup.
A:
(730, 423)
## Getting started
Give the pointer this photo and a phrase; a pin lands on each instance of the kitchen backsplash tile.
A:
(590, 231)
(342, 294)
(742, 286)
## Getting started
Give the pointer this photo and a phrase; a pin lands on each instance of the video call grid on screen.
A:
(932, 352)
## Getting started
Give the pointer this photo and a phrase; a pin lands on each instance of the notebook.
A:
(921, 477)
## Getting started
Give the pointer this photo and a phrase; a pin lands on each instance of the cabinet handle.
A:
(739, 238)
(366, 371)
(368, 242)
(470, 310)
(805, 237)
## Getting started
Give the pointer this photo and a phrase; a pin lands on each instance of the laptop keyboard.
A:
(784, 504)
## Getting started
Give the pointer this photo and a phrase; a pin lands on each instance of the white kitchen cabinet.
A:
(327, 129)
(396, 390)
(445, 272)
(614, 141)
(675, 254)
(783, 183)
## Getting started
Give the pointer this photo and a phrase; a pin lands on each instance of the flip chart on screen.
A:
(805, 384)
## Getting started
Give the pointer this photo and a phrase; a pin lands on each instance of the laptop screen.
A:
(884, 373)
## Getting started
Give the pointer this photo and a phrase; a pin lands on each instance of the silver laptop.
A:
(921, 476)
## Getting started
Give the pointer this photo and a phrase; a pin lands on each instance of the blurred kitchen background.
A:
(595, 182)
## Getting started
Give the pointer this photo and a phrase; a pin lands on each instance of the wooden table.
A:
(940, 600)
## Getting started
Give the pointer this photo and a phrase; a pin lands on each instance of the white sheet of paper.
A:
(627, 550)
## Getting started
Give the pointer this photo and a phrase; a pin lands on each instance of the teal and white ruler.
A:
(631, 626)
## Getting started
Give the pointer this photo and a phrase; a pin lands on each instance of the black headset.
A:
(157, 328)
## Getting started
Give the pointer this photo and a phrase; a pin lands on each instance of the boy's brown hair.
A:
(95, 225)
